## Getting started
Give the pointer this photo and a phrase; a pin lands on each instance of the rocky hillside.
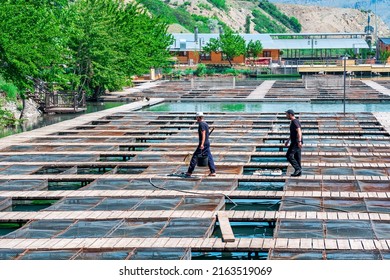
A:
(327, 19)
(209, 15)
(184, 15)
(381, 7)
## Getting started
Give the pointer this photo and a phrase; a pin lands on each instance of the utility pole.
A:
(376, 34)
(345, 75)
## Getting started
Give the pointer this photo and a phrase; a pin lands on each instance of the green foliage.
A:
(253, 49)
(176, 15)
(200, 70)
(31, 41)
(189, 72)
(202, 23)
(263, 24)
(230, 44)
(220, 4)
(384, 55)
(6, 117)
(248, 24)
(93, 45)
(10, 90)
(291, 23)
(145, 41)
(204, 6)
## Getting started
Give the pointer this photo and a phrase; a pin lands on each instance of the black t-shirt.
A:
(203, 126)
(293, 131)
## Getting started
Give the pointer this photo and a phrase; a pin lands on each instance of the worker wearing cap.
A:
(203, 147)
(295, 140)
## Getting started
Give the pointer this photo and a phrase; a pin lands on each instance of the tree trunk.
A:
(24, 107)
(230, 62)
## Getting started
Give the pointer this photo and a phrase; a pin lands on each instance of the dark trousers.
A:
(194, 159)
(293, 156)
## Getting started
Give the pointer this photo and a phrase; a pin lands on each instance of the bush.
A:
(201, 70)
(232, 71)
(263, 24)
(7, 118)
(291, 23)
(204, 6)
(221, 4)
(10, 90)
(188, 72)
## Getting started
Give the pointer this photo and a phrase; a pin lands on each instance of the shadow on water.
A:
(46, 120)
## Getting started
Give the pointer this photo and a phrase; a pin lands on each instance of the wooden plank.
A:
(330, 244)
(257, 243)
(306, 243)
(342, 216)
(368, 244)
(318, 244)
(109, 243)
(160, 243)
(343, 244)
(219, 245)
(384, 244)
(185, 242)
(269, 243)
(226, 229)
(379, 245)
(207, 244)
(232, 246)
(293, 243)
(356, 244)
(244, 243)
(281, 243)
(172, 243)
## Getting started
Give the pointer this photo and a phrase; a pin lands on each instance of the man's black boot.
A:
(297, 173)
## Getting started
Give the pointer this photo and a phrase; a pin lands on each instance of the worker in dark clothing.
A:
(203, 146)
(295, 140)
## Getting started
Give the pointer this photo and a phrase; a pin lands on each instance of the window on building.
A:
(182, 53)
(266, 53)
(205, 56)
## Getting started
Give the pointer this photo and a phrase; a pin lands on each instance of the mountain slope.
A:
(208, 17)
(185, 15)
(318, 19)
(379, 6)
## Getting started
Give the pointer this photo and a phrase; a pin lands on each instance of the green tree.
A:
(31, 41)
(228, 43)
(384, 55)
(145, 40)
(253, 49)
(221, 4)
(111, 41)
(248, 24)
(95, 42)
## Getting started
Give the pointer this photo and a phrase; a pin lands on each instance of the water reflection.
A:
(46, 120)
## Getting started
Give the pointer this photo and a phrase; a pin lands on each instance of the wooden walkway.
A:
(198, 244)
(20, 195)
(261, 90)
(254, 178)
(155, 144)
(233, 216)
(377, 87)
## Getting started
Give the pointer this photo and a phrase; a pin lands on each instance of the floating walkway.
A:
(378, 87)
(105, 185)
(261, 90)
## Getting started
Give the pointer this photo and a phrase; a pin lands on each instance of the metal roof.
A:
(385, 41)
(188, 39)
(321, 44)
(186, 42)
